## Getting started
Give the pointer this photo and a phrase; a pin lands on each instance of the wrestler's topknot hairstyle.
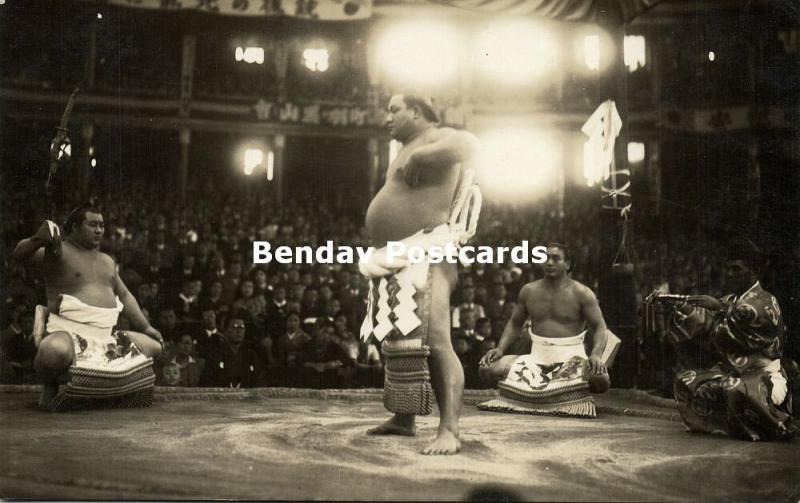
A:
(78, 215)
(425, 105)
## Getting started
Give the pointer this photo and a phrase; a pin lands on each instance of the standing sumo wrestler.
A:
(409, 304)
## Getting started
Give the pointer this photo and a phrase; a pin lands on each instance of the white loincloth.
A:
(106, 364)
(551, 380)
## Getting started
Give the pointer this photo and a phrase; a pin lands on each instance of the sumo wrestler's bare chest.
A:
(561, 306)
(81, 268)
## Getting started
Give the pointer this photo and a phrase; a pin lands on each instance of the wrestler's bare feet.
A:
(446, 442)
(49, 391)
(397, 425)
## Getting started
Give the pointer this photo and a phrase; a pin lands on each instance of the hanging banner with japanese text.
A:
(323, 10)
(315, 114)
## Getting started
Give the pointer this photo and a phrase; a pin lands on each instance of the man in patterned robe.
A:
(745, 393)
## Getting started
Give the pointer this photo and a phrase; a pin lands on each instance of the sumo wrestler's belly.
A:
(557, 329)
(397, 212)
(93, 295)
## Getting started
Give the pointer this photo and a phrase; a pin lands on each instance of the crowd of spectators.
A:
(230, 322)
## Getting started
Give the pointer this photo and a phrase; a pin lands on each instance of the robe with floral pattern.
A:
(744, 395)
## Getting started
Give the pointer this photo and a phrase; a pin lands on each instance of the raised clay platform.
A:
(305, 444)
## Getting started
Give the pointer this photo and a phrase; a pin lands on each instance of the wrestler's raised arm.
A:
(132, 311)
(45, 243)
(449, 147)
(512, 329)
(597, 328)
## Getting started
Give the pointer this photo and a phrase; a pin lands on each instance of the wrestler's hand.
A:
(411, 171)
(154, 334)
(597, 366)
(705, 301)
(490, 357)
(49, 234)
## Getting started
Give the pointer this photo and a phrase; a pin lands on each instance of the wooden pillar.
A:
(754, 181)
(91, 61)
(656, 70)
(278, 147)
(84, 162)
(2, 143)
(185, 139)
(281, 67)
(616, 291)
(187, 73)
(81, 189)
(654, 174)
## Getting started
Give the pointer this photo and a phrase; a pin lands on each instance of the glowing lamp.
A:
(635, 152)
(316, 60)
(250, 55)
(419, 52)
(253, 157)
(635, 51)
(516, 52)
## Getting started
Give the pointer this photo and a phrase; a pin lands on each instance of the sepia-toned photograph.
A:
(400, 250)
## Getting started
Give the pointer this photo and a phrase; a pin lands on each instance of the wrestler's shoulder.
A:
(531, 288)
(106, 259)
(437, 133)
(581, 290)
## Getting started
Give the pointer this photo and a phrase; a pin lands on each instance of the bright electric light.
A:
(250, 54)
(635, 50)
(635, 152)
(591, 51)
(94, 163)
(595, 50)
(253, 157)
(316, 60)
(419, 52)
(99, 16)
(516, 52)
(519, 162)
(270, 165)
(712, 56)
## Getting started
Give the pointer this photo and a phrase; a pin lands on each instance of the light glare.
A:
(635, 50)
(635, 152)
(250, 54)
(316, 60)
(516, 52)
(270, 165)
(519, 162)
(419, 53)
(591, 51)
(253, 157)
